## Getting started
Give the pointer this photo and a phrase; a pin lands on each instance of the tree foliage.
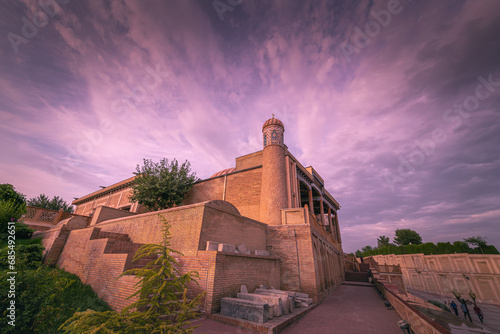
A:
(367, 249)
(428, 248)
(45, 298)
(12, 207)
(382, 241)
(162, 185)
(162, 305)
(9, 194)
(406, 236)
(56, 203)
(477, 241)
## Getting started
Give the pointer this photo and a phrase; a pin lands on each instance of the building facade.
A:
(269, 202)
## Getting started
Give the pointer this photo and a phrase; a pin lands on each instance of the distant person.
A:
(465, 310)
(479, 313)
(361, 258)
(454, 307)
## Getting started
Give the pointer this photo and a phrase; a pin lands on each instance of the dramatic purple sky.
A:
(395, 104)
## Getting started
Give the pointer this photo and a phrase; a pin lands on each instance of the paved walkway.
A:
(491, 312)
(349, 309)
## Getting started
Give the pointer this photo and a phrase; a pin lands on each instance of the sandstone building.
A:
(278, 214)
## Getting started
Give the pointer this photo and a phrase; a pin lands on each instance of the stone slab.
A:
(288, 301)
(274, 301)
(244, 309)
(212, 246)
(227, 248)
(262, 252)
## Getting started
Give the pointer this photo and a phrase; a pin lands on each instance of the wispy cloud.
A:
(103, 85)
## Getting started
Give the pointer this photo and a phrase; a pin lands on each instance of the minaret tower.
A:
(273, 196)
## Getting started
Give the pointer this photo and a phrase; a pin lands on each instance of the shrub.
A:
(45, 298)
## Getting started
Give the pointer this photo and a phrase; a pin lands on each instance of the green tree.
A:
(12, 207)
(56, 203)
(366, 250)
(9, 194)
(383, 241)
(478, 242)
(162, 185)
(406, 236)
(162, 305)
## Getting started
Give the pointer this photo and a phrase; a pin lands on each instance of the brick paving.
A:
(349, 309)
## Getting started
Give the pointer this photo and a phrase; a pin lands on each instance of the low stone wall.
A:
(418, 321)
(441, 274)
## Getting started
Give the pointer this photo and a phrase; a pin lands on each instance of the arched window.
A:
(274, 137)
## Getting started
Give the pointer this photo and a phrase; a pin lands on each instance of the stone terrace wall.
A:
(229, 227)
(185, 226)
(86, 258)
(442, 273)
(99, 261)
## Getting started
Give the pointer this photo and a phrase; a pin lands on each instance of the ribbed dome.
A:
(273, 121)
(223, 172)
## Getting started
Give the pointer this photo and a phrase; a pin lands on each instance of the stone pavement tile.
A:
(349, 309)
(213, 327)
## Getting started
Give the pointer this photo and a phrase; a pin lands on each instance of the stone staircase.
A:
(120, 243)
(357, 276)
(360, 277)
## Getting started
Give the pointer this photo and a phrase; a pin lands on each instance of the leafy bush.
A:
(26, 256)
(9, 211)
(45, 298)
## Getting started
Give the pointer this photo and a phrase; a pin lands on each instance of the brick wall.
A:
(232, 228)
(185, 225)
(115, 199)
(100, 253)
(233, 270)
(249, 161)
(293, 245)
(243, 191)
(103, 213)
(206, 191)
(85, 258)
